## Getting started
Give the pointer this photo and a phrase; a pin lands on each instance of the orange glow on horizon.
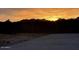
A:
(53, 18)
(51, 14)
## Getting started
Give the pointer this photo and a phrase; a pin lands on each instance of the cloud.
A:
(20, 13)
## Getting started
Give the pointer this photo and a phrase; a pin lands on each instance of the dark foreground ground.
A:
(45, 42)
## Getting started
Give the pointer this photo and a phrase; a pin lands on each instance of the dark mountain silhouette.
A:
(40, 26)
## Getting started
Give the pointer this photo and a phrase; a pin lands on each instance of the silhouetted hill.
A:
(40, 26)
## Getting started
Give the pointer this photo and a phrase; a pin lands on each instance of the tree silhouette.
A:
(40, 26)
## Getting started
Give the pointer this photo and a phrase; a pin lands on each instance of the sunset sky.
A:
(15, 14)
